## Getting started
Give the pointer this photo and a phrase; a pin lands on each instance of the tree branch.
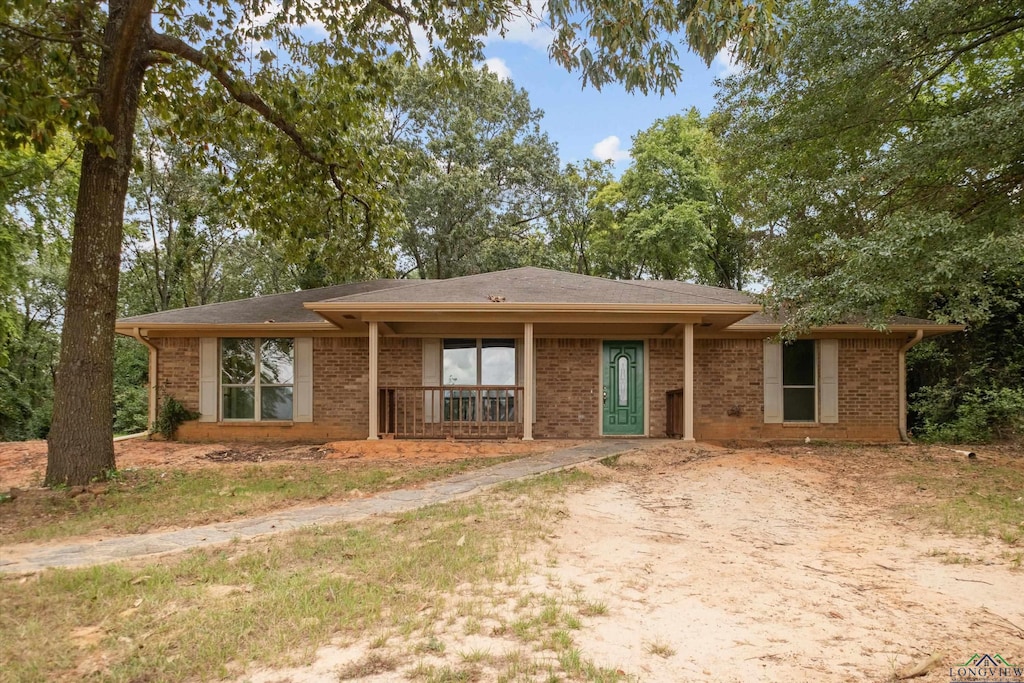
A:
(397, 10)
(241, 92)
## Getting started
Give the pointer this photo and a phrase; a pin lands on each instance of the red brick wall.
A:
(177, 370)
(665, 374)
(729, 392)
(568, 388)
(869, 388)
(340, 387)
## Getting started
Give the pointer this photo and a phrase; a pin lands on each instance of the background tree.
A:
(575, 226)
(883, 164)
(38, 192)
(186, 242)
(670, 212)
(885, 158)
(482, 172)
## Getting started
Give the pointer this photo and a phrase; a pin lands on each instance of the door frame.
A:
(646, 389)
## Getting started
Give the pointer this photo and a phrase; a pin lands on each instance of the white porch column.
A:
(374, 398)
(688, 383)
(529, 387)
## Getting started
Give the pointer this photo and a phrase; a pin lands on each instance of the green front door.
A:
(623, 387)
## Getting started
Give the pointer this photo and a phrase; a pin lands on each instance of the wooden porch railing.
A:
(451, 411)
(674, 405)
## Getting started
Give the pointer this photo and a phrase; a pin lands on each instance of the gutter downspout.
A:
(903, 383)
(153, 356)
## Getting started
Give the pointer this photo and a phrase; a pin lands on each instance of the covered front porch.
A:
(529, 379)
(529, 352)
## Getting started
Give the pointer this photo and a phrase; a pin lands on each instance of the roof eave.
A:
(930, 330)
(129, 328)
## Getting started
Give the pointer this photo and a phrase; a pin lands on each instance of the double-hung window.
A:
(257, 378)
(487, 365)
(799, 381)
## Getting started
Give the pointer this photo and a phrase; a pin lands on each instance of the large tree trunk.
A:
(81, 436)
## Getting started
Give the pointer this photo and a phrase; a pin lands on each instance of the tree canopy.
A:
(482, 170)
(883, 161)
(670, 212)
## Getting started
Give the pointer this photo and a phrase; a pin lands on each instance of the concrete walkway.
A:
(26, 559)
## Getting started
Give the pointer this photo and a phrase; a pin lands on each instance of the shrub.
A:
(979, 416)
(171, 416)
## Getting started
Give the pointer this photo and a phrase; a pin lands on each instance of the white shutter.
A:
(303, 405)
(772, 381)
(209, 369)
(828, 380)
(432, 378)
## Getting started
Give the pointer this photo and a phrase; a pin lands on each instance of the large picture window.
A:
(486, 363)
(799, 381)
(257, 373)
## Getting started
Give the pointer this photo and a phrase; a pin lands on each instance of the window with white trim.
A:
(799, 381)
(257, 372)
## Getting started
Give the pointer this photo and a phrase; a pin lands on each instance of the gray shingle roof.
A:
(521, 285)
(539, 285)
(281, 308)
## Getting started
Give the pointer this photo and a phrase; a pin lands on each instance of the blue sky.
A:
(585, 121)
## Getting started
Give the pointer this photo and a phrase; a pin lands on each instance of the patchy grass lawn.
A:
(212, 613)
(974, 501)
(138, 500)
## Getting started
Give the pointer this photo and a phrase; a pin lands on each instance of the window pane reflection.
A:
(276, 403)
(459, 366)
(238, 361)
(276, 364)
(238, 403)
(498, 362)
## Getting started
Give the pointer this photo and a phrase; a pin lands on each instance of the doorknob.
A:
(604, 395)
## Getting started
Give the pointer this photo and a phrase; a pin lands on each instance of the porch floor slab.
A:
(34, 558)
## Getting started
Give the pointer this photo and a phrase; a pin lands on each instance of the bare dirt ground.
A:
(23, 463)
(766, 564)
(792, 564)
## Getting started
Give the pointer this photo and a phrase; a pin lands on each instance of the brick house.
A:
(523, 353)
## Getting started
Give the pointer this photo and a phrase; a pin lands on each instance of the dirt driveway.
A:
(779, 566)
(785, 564)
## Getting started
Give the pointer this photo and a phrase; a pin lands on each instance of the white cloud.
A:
(498, 67)
(726, 63)
(610, 149)
(526, 29)
(421, 42)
